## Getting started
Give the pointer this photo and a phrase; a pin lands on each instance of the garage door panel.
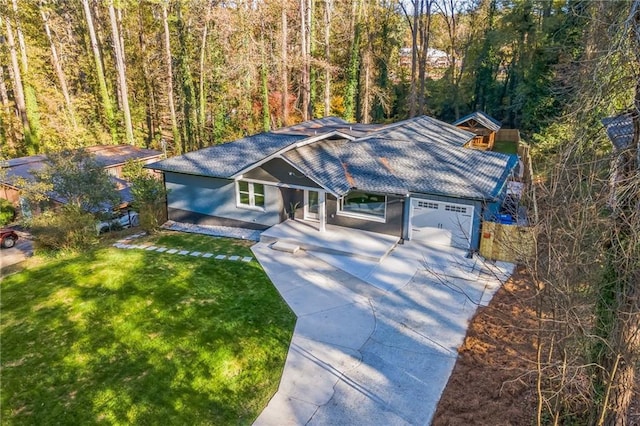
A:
(438, 222)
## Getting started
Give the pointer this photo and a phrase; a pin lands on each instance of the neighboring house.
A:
(413, 179)
(112, 157)
(620, 132)
(484, 127)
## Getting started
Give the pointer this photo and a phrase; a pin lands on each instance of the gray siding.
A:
(217, 198)
(278, 170)
(391, 226)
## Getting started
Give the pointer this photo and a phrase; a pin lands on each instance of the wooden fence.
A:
(509, 243)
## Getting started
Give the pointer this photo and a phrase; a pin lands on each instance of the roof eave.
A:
(289, 147)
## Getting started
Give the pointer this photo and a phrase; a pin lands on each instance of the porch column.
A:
(322, 211)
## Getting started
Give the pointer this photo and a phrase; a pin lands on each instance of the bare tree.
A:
(284, 71)
(328, 6)
(102, 82)
(169, 59)
(16, 74)
(57, 66)
(118, 49)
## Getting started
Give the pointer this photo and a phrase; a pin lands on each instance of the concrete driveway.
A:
(374, 344)
(21, 251)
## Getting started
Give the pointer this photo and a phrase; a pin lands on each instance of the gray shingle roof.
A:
(402, 167)
(330, 124)
(620, 130)
(421, 155)
(425, 129)
(105, 155)
(481, 118)
(223, 161)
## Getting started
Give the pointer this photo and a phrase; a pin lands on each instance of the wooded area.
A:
(201, 72)
(181, 75)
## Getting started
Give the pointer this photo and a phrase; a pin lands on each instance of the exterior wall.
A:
(216, 198)
(391, 226)
(279, 171)
(11, 194)
(477, 216)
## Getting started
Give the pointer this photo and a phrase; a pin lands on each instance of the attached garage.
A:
(440, 222)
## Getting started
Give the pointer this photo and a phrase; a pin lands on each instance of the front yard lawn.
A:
(129, 336)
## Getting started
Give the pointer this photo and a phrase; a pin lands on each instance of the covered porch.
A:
(306, 235)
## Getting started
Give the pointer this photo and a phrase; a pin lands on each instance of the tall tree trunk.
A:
(18, 90)
(304, 87)
(31, 103)
(354, 64)
(202, 104)
(172, 109)
(6, 129)
(190, 132)
(311, 51)
(150, 105)
(102, 82)
(4, 98)
(624, 340)
(264, 76)
(425, 36)
(62, 80)
(21, 42)
(284, 66)
(118, 49)
(328, 5)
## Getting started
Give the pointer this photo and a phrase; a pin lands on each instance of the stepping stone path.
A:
(126, 244)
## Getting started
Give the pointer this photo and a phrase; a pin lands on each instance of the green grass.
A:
(128, 336)
(505, 147)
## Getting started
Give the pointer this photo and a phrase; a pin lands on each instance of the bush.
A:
(66, 229)
(7, 211)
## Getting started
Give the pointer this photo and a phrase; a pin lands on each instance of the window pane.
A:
(258, 189)
(244, 198)
(259, 199)
(243, 186)
(363, 203)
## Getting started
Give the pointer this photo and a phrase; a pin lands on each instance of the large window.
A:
(250, 194)
(364, 205)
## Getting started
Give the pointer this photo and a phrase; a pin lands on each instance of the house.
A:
(484, 127)
(112, 157)
(413, 179)
(620, 130)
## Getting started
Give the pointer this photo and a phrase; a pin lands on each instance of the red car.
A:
(8, 238)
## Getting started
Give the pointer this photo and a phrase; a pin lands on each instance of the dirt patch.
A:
(494, 380)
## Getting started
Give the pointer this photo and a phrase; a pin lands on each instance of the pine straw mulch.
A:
(494, 380)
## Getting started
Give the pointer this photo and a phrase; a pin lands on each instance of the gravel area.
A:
(217, 231)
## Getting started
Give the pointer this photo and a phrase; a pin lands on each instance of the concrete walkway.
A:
(375, 345)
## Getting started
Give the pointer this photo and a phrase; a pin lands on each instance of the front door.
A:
(311, 205)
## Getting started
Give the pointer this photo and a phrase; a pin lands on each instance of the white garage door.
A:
(437, 222)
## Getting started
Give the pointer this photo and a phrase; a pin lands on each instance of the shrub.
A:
(7, 211)
(66, 229)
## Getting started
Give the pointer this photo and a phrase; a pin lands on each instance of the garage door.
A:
(437, 222)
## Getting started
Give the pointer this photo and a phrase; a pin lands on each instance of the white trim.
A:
(291, 146)
(280, 184)
(301, 187)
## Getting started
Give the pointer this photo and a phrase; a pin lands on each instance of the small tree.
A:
(76, 178)
(85, 188)
(149, 195)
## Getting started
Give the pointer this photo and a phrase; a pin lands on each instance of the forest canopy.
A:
(189, 74)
